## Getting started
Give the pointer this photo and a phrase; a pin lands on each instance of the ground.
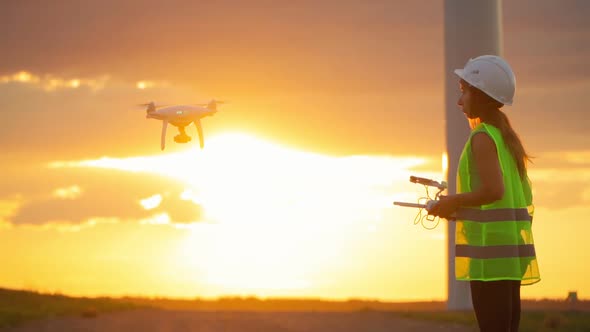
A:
(156, 320)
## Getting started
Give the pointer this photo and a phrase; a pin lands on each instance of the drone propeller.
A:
(152, 104)
(150, 107)
(213, 101)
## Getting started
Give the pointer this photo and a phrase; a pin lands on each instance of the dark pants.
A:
(496, 305)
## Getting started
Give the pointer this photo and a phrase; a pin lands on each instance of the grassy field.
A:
(531, 320)
(20, 306)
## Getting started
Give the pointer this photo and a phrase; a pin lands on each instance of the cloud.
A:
(70, 192)
(51, 83)
(177, 213)
(98, 196)
(21, 76)
(572, 158)
(560, 179)
(181, 210)
(151, 202)
(565, 194)
(8, 208)
(66, 226)
(89, 210)
(79, 210)
(177, 208)
(142, 85)
(157, 219)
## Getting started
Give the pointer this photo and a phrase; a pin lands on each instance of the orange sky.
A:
(352, 92)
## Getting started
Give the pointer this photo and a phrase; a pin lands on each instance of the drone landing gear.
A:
(182, 137)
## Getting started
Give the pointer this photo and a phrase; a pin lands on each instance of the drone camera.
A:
(182, 138)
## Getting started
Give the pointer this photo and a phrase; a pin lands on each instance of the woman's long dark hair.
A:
(498, 119)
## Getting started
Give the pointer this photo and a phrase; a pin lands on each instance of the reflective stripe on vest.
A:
(486, 252)
(505, 214)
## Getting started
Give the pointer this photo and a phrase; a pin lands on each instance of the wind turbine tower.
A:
(471, 28)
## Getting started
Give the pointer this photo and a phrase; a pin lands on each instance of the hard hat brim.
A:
(459, 72)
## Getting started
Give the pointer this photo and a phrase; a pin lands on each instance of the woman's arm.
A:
(490, 174)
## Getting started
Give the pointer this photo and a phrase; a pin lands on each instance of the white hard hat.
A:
(492, 75)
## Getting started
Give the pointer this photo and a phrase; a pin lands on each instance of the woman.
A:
(493, 206)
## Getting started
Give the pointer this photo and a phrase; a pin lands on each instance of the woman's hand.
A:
(446, 207)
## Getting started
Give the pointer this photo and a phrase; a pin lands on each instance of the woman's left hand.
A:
(445, 207)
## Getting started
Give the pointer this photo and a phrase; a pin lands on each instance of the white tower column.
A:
(472, 28)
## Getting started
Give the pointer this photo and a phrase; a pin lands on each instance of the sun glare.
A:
(273, 213)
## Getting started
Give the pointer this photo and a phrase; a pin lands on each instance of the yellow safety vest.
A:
(495, 241)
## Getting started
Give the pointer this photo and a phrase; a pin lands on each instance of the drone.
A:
(181, 116)
(429, 202)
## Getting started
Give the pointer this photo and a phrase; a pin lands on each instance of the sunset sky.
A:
(332, 105)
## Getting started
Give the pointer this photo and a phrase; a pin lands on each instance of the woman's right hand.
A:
(445, 207)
